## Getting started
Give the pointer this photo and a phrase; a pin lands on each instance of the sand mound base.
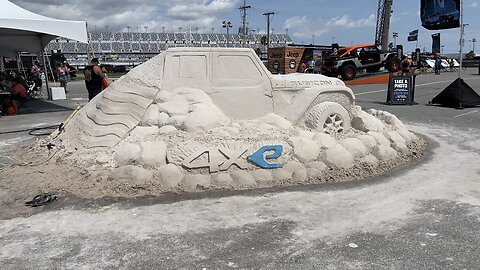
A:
(151, 161)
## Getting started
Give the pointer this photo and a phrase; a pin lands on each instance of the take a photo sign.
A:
(401, 90)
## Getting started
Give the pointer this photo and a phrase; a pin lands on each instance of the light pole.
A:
(268, 14)
(473, 44)
(163, 29)
(313, 39)
(228, 25)
(395, 35)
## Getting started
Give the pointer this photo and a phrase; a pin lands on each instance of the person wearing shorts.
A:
(62, 75)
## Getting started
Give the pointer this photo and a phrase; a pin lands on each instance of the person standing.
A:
(62, 75)
(438, 65)
(93, 78)
(405, 65)
(37, 77)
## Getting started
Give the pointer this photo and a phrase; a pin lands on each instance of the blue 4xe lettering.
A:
(260, 157)
(221, 159)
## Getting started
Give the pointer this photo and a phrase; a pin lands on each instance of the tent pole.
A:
(45, 70)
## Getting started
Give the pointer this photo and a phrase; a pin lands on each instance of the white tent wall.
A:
(25, 31)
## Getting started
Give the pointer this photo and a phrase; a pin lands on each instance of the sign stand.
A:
(401, 90)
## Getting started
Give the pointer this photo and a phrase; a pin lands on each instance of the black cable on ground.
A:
(32, 131)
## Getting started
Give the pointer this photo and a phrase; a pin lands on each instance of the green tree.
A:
(263, 40)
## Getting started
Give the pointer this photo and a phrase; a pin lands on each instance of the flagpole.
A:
(461, 40)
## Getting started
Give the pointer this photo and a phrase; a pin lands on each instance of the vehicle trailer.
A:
(347, 61)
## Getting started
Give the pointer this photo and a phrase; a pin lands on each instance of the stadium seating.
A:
(139, 47)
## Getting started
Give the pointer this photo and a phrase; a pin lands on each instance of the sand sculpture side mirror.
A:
(216, 117)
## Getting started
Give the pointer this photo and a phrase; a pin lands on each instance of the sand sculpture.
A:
(195, 119)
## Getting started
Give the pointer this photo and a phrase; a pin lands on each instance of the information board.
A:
(401, 90)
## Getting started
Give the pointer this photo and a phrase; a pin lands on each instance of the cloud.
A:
(303, 27)
(346, 22)
(474, 4)
(115, 14)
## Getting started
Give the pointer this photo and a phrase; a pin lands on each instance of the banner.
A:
(436, 43)
(400, 51)
(440, 14)
(413, 36)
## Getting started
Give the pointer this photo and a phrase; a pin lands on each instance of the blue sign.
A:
(259, 158)
(440, 14)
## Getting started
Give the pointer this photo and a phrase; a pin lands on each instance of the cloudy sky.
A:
(327, 20)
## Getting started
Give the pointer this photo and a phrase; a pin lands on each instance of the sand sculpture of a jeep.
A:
(234, 79)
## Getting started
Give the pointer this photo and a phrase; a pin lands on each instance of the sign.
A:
(276, 65)
(401, 90)
(440, 14)
(58, 93)
(436, 43)
(221, 159)
(400, 51)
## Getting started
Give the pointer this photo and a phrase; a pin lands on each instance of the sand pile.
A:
(137, 139)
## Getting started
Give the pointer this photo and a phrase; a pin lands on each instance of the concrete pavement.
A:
(426, 216)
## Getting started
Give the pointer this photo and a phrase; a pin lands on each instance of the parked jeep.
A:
(348, 60)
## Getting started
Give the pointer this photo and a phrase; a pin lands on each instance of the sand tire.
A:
(328, 117)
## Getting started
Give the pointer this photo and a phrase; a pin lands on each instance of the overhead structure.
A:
(383, 23)
(244, 30)
(25, 31)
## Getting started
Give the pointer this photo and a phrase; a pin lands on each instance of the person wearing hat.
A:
(93, 78)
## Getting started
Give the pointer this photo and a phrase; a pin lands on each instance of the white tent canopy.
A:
(25, 31)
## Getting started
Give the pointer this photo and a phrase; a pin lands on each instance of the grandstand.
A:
(134, 48)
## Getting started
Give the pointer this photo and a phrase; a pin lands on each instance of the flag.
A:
(413, 36)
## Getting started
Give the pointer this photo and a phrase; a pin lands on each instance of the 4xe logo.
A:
(220, 159)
